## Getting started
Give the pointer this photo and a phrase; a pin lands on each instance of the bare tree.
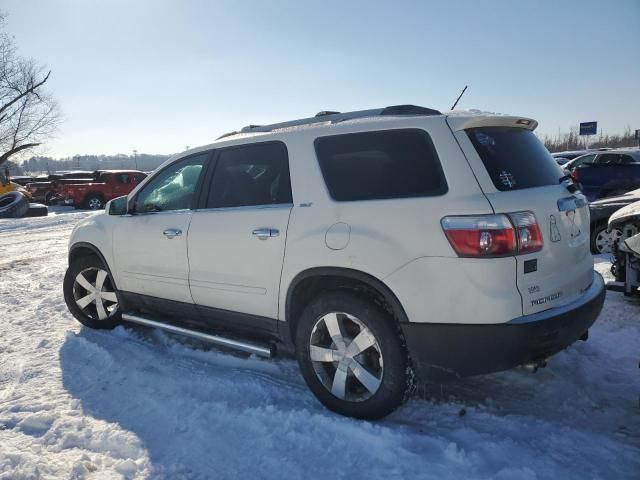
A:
(28, 114)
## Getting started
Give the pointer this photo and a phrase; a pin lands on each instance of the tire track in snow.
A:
(86, 403)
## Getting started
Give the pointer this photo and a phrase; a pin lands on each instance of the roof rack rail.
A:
(324, 113)
(336, 117)
(228, 134)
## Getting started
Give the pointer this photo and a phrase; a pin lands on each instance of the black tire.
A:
(94, 201)
(74, 292)
(13, 205)
(394, 382)
(48, 198)
(37, 210)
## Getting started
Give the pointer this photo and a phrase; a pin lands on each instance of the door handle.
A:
(264, 233)
(172, 232)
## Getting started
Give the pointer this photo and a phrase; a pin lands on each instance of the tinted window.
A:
(514, 158)
(377, 165)
(173, 188)
(607, 158)
(122, 178)
(77, 175)
(613, 159)
(251, 175)
(137, 178)
(582, 159)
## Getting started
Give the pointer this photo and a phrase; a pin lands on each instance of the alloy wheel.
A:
(95, 204)
(94, 294)
(346, 357)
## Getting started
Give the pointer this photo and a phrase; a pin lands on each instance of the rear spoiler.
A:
(459, 122)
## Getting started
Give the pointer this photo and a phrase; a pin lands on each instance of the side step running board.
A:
(218, 340)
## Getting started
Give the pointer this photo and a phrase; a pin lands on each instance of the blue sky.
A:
(159, 75)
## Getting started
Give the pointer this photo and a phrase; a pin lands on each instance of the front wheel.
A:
(90, 294)
(351, 356)
(49, 198)
(603, 241)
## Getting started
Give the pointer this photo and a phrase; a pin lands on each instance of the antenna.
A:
(459, 97)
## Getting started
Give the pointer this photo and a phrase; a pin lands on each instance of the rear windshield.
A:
(514, 158)
(380, 164)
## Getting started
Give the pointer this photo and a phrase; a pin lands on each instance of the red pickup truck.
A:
(109, 184)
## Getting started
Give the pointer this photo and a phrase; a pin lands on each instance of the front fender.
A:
(95, 233)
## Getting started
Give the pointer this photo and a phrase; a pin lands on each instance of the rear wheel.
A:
(603, 241)
(351, 356)
(90, 294)
(49, 198)
(94, 202)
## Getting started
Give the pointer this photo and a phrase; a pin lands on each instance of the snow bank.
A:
(134, 403)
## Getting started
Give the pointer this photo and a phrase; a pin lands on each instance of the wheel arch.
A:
(85, 249)
(308, 283)
(93, 193)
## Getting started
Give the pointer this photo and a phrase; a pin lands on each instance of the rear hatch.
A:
(517, 173)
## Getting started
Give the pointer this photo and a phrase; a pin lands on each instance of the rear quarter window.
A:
(380, 165)
(514, 158)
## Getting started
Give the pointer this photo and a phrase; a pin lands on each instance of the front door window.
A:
(173, 188)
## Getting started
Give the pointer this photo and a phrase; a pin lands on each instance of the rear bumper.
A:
(442, 352)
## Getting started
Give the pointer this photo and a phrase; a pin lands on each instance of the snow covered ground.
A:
(133, 403)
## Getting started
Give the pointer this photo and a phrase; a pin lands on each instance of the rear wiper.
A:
(571, 186)
(564, 177)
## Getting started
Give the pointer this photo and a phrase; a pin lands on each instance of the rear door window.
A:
(122, 178)
(251, 175)
(514, 158)
(378, 165)
(607, 158)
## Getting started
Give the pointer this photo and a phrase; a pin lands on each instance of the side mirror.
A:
(117, 206)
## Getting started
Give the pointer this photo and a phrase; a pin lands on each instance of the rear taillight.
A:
(493, 235)
(574, 175)
(481, 235)
(527, 232)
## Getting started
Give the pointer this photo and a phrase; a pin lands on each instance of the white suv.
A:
(370, 244)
